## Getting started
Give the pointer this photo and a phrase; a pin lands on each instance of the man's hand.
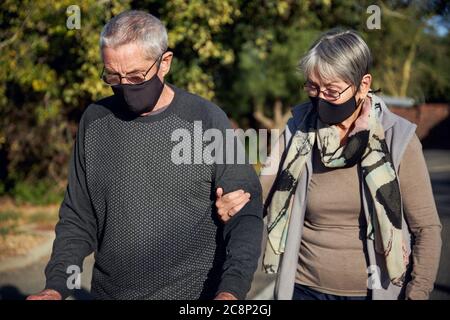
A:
(225, 296)
(231, 203)
(47, 294)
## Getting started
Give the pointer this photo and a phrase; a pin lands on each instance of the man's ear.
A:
(166, 61)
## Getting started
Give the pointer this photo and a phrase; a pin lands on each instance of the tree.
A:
(404, 46)
(241, 54)
(275, 34)
(48, 75)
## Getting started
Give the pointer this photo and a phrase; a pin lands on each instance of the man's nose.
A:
(124, 80)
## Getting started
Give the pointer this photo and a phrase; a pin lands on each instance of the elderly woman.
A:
(350, 209)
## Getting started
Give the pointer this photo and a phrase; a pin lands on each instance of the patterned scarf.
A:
(365, 144)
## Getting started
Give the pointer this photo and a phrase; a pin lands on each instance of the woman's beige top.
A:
(332, 257)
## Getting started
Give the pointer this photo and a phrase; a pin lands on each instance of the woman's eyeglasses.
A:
(329, 94)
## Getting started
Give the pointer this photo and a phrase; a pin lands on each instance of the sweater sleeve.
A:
(76, 228)
(423, 220)
(243, 232)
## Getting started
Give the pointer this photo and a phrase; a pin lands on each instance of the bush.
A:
(39, 193)
(2, 189)
(8, 222)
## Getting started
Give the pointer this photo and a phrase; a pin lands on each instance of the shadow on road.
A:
(442, 288)
(13, 293)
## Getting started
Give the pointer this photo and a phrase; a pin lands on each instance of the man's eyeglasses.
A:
(113, 79)
(329, 94)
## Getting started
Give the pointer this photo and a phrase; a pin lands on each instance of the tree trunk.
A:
(279, 119)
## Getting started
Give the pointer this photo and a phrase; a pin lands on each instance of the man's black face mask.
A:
(140, 98)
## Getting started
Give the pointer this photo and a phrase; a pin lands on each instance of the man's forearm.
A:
(243, 251)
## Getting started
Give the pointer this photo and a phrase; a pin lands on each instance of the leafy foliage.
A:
(241, 54)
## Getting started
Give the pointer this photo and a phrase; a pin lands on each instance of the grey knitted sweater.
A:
(151, 222)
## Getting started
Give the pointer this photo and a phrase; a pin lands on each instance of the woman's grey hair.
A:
(338, 54)
(136, 26)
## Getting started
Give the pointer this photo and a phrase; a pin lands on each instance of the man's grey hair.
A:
(338, 54)
(139, 27)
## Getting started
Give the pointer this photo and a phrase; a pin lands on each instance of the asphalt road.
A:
(438, 162)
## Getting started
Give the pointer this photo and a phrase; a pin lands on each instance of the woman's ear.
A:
(365, 85)
(166, 61)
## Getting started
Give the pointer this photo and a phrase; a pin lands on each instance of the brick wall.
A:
(433, 123)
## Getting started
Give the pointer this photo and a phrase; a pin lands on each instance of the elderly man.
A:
(151, 222)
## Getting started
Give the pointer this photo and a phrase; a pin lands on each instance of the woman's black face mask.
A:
(332, 113)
